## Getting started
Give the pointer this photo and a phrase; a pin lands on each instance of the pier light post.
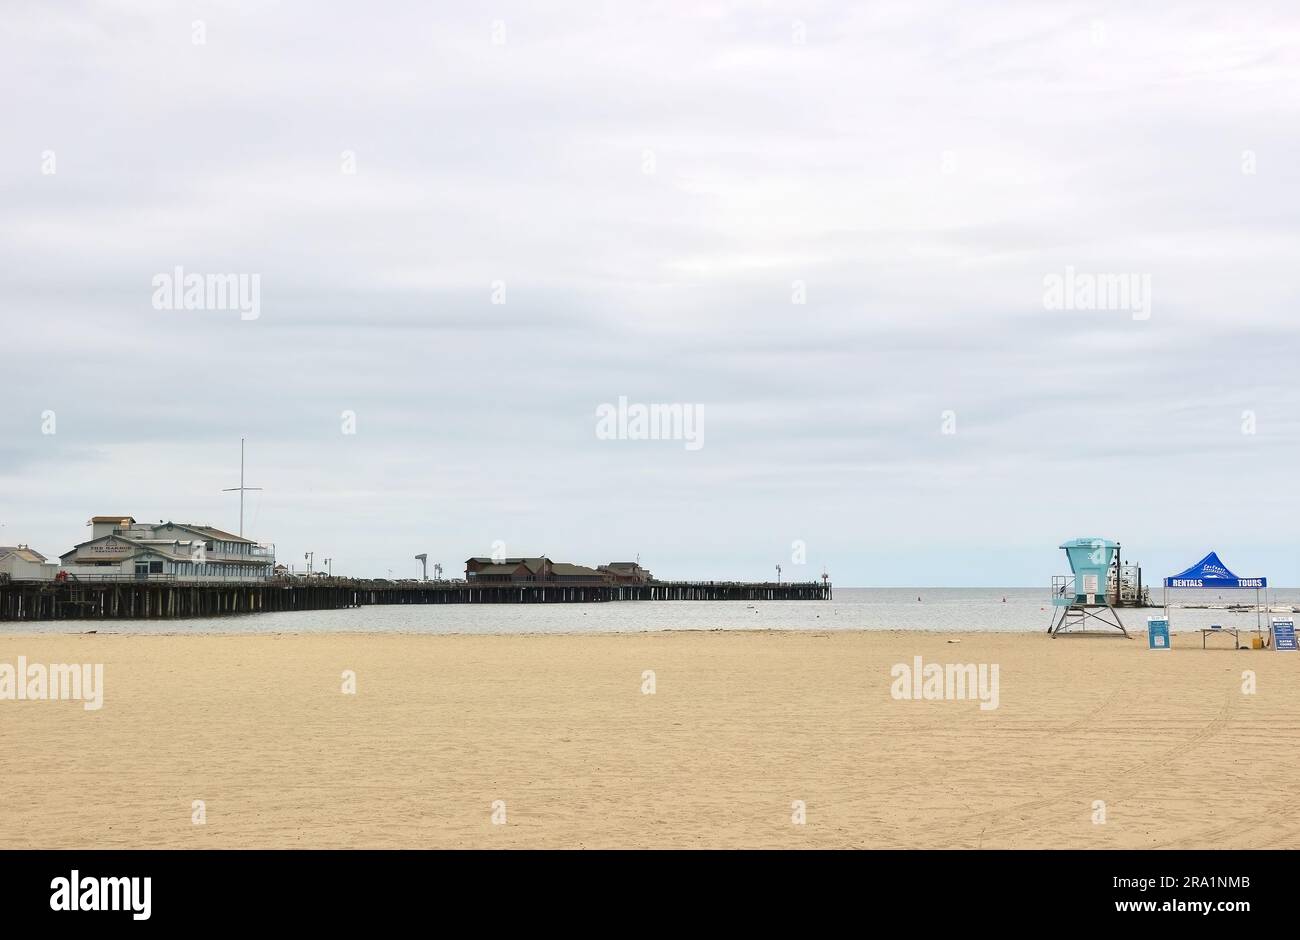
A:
(308, 557)
(778, 574)
(329, 566)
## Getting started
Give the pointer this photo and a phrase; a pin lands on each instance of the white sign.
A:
(111, 548)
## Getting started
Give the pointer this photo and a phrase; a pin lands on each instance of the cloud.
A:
(649, 192)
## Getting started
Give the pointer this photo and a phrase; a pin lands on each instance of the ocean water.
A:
(1015, 610)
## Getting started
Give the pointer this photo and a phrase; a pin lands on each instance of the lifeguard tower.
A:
(1082, 596)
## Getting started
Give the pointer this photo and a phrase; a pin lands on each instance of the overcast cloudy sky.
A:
(650, 189)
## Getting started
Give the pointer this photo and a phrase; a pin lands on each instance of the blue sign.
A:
(1157, 633)
(1284, 636)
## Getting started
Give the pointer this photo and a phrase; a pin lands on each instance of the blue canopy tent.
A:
(1210, 573)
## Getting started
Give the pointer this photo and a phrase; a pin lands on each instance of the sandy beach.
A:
(740, 726)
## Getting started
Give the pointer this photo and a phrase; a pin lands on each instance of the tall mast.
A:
(241, 488)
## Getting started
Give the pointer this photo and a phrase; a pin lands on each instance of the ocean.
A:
(1012, 610)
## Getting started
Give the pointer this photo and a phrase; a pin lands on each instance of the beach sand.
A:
(740, 726)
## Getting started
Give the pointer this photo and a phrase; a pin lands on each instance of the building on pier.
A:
(626, 572)
(23, 563)
(121, 547)
(562, 572)
(507, 570)
(541, 570)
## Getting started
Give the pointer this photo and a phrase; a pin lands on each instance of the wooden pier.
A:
(136, 600)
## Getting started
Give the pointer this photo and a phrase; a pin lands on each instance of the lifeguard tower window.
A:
(1085, 597)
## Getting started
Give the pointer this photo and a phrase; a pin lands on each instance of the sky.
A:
(835, 235)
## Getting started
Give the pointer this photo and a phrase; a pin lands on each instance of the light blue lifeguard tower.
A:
(1085, 594)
